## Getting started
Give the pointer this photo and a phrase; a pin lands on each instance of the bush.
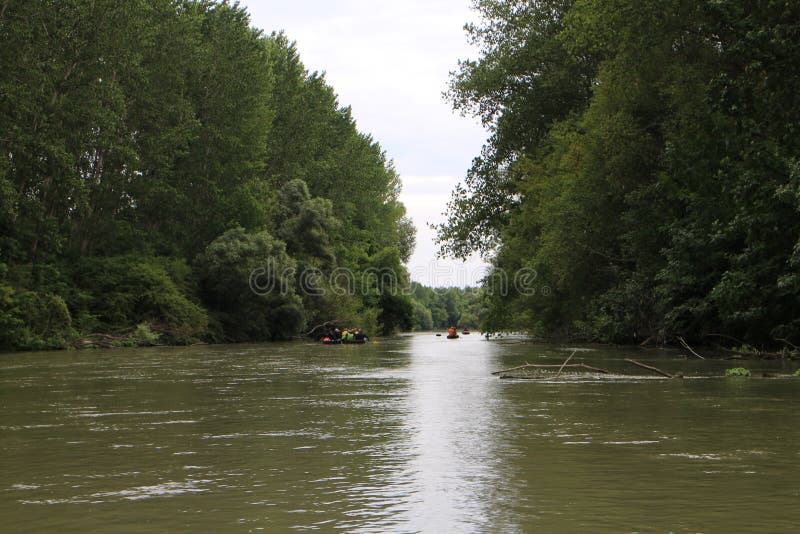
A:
(737, 371)
(248, 281)
(33, 321)
(125, 291)
(144, 335)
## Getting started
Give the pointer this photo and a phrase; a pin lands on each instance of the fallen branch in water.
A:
(326, 323)
(105, 336)
(650, 367)
(648, 341)
(556, 366)
(565, 362)
(513, 368)
(725, 336)
(687, 347)
(787, 342)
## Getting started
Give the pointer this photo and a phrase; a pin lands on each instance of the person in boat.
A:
(348, 336)
(452, 333)
(336, 334)
(359, 336)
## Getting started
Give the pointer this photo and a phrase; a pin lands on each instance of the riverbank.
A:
(143, 335)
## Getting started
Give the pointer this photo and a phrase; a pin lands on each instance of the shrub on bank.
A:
(737, 371)
(122, 292)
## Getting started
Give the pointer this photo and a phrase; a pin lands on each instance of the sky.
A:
(390, 61)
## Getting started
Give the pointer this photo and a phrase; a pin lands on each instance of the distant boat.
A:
(465, 332)
(454, 336)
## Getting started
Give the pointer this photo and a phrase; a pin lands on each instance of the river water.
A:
(409, 434)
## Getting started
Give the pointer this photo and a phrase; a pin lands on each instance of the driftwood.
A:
(105, 336)
(787, 342)
(326, 323)
(556, 366)
(513, 368)
(650, 367)
(748, 353)
(565, 363)
(687, 347)
(649, 341)
(97, 340)
(725, 336)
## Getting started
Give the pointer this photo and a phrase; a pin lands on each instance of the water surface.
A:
(411, 434)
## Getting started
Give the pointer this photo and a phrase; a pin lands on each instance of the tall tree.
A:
(641, 163)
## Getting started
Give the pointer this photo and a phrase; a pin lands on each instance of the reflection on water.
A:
(455, 427)
(412, 434)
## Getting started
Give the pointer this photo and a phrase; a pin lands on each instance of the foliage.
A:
(306, 225)
(32, 317)
(144, 335)
(248, 282)
(440, 308)
(642, 162)
(33, 321)
(122, 291)
(737, 371)
(149, 144)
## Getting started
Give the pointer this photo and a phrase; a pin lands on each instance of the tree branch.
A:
(650, 367)
(565, 362)
(687, 347)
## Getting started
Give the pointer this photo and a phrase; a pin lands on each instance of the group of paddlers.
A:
(348, 335)
(452, 333)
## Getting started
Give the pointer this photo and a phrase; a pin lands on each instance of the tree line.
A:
(154, 153)
(643, 161)
(443, 307)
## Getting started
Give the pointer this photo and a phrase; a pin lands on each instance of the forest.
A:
(442, 307)
(156, 153)
(643, 162)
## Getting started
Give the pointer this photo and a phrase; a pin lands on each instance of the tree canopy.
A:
(642, 161)
(154, 153)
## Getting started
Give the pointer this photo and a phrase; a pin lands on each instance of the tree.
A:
(136, 135)
(248, 281)
(641, 163)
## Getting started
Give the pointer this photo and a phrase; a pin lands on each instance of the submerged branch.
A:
(787, 342)
(687, 347)
(565, 362)
(650, 367)
(556, 366)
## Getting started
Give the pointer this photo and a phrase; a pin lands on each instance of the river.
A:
(409, 434)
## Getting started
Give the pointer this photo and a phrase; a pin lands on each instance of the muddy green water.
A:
(412, 434)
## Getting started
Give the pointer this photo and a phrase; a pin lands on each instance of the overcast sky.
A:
(390, 61)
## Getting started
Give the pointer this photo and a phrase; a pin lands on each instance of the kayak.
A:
(453, 337)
